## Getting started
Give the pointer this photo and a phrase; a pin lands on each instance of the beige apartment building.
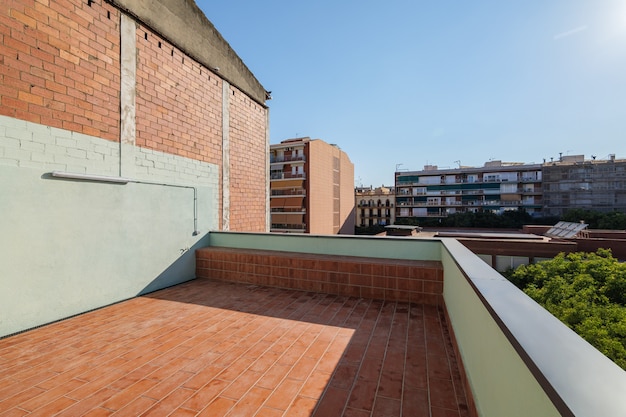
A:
(375, 206)
(311, 188)
(495, 187)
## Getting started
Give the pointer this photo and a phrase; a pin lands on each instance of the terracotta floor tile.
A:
(387, 407)
(442, 412)
(241, 384)
(302, 368)
(362, 395)
(169, 403)
(273, 376)
(121, 398)
(269, 412)
(249, 403)
(415, 403)
(53, 407)
(20, 398)
(344, 376)
(284, 394)
(182, 412)
(354, 412)
(332, 403)
(16, 412)
(218, 407)
(168, 385)
(203, 377)
(314, 385)
(49, 396)
(440, 393)
(88, 404)
(136, 407)
(301, 407)
(206, 394)
(98, 412)
(213, 348)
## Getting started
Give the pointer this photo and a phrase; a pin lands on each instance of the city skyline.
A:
(412, 83)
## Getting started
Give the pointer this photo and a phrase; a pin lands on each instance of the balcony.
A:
(289, 227)
(292, 191)
(314, 326)
(285, 175)
(295, 210)
(285, 158)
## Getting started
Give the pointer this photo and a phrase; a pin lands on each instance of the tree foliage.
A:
(596, 220)
(511, 219)
(587, 292)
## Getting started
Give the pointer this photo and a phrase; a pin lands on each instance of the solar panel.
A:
(566, 230)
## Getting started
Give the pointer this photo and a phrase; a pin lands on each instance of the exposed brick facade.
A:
(179, 102)
(61, 65)
(247, 144)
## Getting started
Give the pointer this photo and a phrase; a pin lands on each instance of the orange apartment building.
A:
(311, 188)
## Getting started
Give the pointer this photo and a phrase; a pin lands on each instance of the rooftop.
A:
(307, 325)
(214, 348)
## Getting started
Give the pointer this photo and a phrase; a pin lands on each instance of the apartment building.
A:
(311, 188)
(128, 130)
(375, 206)
(497, 186)
(576, 182)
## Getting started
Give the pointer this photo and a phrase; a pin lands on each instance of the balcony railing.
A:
(285, 175)
(288, 226)
(286, 158)
(295, 192)
(288, 210)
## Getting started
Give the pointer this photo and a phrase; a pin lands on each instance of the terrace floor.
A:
(213, 348)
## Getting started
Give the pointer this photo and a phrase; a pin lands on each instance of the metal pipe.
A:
(89, 177)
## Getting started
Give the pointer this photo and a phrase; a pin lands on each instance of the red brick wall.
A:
(385, 279)
(60, 67)
(60, 64)
(179, 102)
(248, 163)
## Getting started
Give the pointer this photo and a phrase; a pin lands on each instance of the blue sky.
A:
(416, 82)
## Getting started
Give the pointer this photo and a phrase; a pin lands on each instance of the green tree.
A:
(596, 220)
(587, 292)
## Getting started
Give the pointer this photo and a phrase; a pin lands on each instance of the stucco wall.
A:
(69, 246)
(331, 185)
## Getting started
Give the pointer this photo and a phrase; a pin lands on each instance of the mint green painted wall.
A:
(501, 382)
(368, 246)
(70, 246)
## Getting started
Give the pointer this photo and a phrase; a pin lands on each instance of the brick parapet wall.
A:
(389, 279)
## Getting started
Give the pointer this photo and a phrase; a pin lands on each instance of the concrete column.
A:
(128, 91)
(225, 156)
